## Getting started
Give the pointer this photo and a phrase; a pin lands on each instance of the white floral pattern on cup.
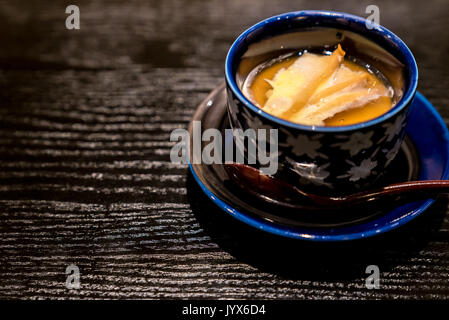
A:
(254, 122)
(357, 142)
(235, 112)
(311, 173)
(303, 145)
(394, 129)
(361, 171)
(390, 154)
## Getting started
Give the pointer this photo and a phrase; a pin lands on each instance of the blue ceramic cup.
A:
(341, 158)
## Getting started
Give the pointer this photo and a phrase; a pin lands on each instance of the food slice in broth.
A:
(292, 87)
(315, 114)
(316, 89)
(345, 90)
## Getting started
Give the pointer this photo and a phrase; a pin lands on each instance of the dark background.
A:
(85, 177)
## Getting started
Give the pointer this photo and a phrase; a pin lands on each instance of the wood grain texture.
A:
(85, 176)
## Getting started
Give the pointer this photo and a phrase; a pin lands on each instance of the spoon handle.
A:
(403, 188)
(282, 193)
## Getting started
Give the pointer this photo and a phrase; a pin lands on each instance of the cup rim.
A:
(377, 29)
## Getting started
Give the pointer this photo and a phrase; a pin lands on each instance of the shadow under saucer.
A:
(296, 259)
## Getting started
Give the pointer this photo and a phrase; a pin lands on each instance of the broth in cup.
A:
(326, 88)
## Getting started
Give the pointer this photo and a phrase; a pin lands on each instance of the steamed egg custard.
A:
(319, 90)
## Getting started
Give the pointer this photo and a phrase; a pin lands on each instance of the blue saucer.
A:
(428, 133)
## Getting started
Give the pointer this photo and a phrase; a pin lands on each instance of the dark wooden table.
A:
(85, 176)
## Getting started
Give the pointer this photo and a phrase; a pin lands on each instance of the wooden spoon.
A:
(279, 192)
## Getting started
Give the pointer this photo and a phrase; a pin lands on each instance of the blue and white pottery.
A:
(423, 156)
(333, 158)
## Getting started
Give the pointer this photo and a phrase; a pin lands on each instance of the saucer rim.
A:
(289, 232)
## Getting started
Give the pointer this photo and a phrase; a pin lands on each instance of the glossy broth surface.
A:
(257, 89)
